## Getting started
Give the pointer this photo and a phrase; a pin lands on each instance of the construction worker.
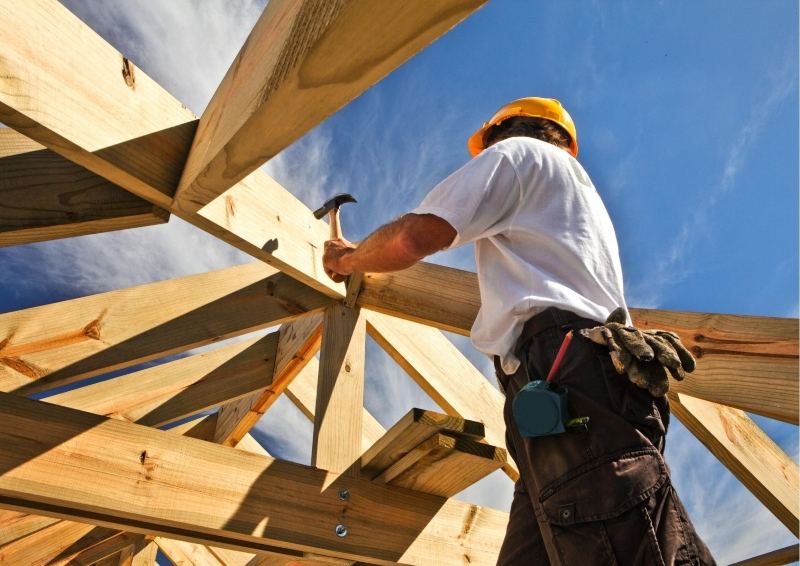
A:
(548, 263)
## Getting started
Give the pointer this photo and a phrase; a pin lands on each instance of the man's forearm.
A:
(399, 244)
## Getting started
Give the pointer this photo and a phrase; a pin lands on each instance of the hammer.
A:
(331, 207)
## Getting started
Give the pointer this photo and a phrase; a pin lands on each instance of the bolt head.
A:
(344, 494)
(341, 531)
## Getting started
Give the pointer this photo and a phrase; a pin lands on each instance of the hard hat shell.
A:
(532, 107)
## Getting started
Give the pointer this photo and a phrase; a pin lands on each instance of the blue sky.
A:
(687, 116)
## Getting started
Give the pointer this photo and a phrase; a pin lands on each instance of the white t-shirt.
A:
(543, 238)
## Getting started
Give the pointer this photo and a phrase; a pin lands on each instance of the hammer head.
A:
(333, 203)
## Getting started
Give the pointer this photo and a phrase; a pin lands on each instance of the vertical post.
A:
(340, 391)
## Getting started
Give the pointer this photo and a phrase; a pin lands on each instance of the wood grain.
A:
(779, 557)
(297, 342)
(44, 196)
(747, 452)
(415, 427)
(302, 62)
(444, 373)
(167, 392)
(60, 343)
(62, 462)
(748, 362)
(340, 391)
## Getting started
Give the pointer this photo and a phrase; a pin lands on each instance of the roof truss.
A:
(103, 127)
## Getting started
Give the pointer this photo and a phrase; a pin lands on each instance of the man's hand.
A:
(334, 260)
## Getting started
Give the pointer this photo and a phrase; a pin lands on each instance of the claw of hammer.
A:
(331, 207)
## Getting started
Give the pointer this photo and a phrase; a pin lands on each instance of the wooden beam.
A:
(747, 362)
(44, 196)
(67, 88)
(744, 361)
(444, 465)
(58, 461)
(60, 343)
(340, 391)
(165, 393)
(415, 427)
(747, 452)
(302, 62)
(98, 544)
(297, 343)
(14, 526)
(443, 372)
(778, 557)
(44, 545)
(303, 393)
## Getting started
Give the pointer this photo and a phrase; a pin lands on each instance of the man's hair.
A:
(539, 128)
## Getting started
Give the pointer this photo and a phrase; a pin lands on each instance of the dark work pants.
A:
(600, 494)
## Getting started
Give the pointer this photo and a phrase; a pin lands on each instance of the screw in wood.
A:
(341, 531)
(344, 494)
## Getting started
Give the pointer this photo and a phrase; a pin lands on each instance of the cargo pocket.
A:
(598, 512)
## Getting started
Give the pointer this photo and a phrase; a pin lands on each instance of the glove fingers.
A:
(632, 340)
(618, 315)
(594, 334)
(677, 373)
(664, 351)
(687, 359)
(658, 380)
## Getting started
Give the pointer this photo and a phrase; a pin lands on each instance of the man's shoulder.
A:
(522, 148)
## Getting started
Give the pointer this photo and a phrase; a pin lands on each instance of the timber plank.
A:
(747, 452)
(44, 196)
(444, 465)
(14, 526)
(340, 391)
(297, 343)
(302, 62)
(443, 372)
(415, 427)
(55, 344)
(303, 393)
(165, 393)
(44, 545)
(746, 362)
(72, 464)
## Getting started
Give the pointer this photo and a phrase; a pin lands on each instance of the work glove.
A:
(648, 357)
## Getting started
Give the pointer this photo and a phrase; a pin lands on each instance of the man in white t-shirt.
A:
(548, 262)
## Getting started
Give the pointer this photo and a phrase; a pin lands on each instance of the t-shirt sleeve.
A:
(477, 198)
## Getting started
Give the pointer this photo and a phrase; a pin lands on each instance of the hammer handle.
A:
(336, 231)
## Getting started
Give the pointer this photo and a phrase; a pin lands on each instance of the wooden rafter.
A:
(297, 343)
(302, 62)
(760, 464)
(443, 372)
(44, 196)
(340, 391)
(746, 362)
(91, 335)
(63, 462)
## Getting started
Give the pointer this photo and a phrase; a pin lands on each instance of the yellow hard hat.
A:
(533, 107)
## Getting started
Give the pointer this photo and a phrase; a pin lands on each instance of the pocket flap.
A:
(604, 488)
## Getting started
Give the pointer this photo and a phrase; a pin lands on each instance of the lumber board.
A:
(302, 62)
(339, 408)
(168, 392)
(64, 86)
(444, 373)
(747, 362)
(14, 526)
(44, 545)
(44, 196)
(68, 89)
(297, 342)
(413, 428)
(444, 465)
(56, 344)
(760, 464)
(303, 393)
(62, 462)
(145, 556)
(98, 544)
(779, 557)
